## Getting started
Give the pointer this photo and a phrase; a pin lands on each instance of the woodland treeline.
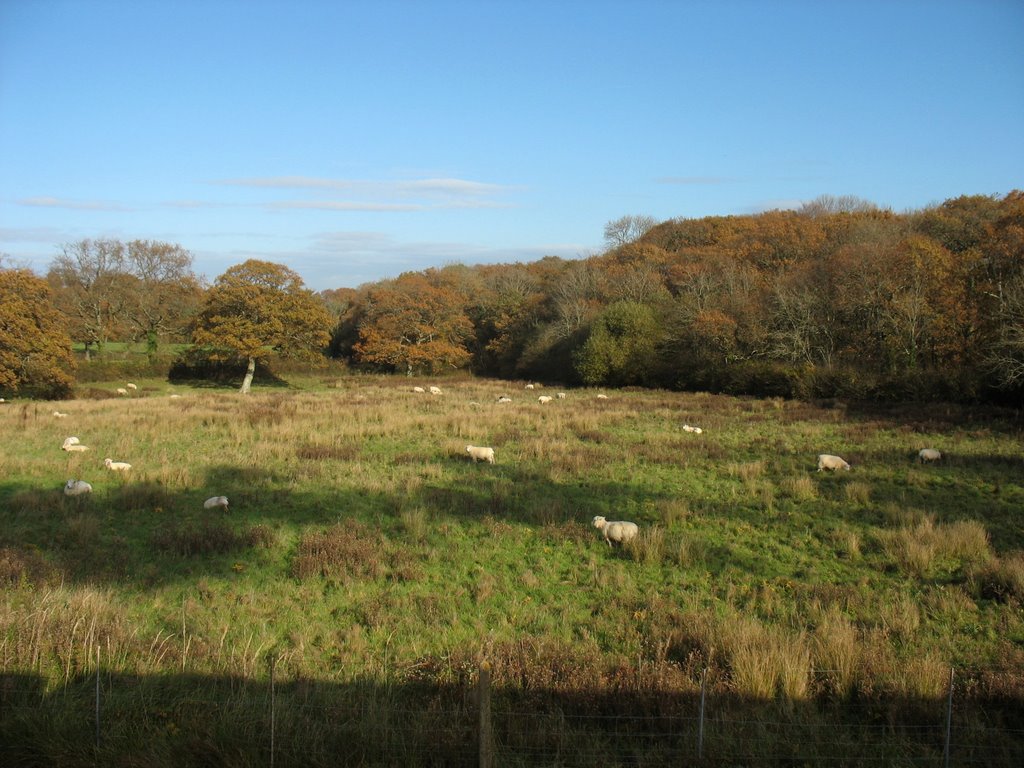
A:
(839, 298)
(836, 299)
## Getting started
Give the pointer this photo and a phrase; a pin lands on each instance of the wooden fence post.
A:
(97, 697)
(273, 704)
(700, 725)
(949, 719)
(486, 735)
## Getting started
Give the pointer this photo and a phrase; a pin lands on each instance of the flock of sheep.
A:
(614, 531)
(623, 531)
(74, 444)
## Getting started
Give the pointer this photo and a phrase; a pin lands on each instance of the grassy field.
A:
(364, 552)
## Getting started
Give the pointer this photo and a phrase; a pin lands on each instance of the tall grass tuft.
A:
(1002, 578)
(858, 493)
(800, 488)
(918, 548)
(416, 522)
(766, 662)
(836, 652)
(649, 545)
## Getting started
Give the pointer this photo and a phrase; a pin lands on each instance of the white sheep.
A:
(59, 415)
(480, 454)
(602, 397)
(73, 444)
(129, 385)
(77, 488)
(828, 461)
(116, 466)
(122, 391)
(216, 501)
(620, 531)
(694, 430)
(561, 395)
(544, 399)
(174, 397)
(421, 390)
(529, 386)
(928, 454)
(504, 399)
(435, 390)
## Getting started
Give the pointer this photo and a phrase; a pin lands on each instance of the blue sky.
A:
(354, 141)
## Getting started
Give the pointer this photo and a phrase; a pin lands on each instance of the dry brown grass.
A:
(837, 652)
(1002, 578)
(649, 545)
(763, 661)
(918, 548)
(801, 488)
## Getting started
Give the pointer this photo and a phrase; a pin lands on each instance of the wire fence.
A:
(193, 720)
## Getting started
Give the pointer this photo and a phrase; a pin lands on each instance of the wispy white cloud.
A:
(340, 205)
(31, 235)
(369, 195)
(350, 258)
(76, 205)
(397, 188)
(696, 180)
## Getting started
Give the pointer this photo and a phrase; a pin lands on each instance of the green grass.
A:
(361, 542)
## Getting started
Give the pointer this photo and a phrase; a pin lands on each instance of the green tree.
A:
(620, 349)
(258, 308)
(35, 349)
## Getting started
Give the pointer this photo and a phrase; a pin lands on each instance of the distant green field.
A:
(361, 543)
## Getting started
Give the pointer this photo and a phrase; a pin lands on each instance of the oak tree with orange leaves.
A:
(35, 349)
(258, 308)
(414, 323)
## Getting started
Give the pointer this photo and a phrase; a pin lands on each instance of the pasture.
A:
(363, 546)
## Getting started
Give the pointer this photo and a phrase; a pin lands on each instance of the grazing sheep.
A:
(694, 430)
(480, 454)
(73, 444)
(421, 390)
(619, 531)
(59, 415)
(561, 395)
(602, 397)
(129, 385)
(928, 454)
(216, 501)
(122, 391)
(828, 461)
(504, 399)
(116, 466)
(544, 399)
(529, 386)
(435, 390)
(77, 488)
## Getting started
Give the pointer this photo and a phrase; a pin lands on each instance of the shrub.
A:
(349, 551)
(1002, 578)
(209, 537)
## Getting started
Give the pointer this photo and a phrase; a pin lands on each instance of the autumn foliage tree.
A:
(414, 323)
(838, 298)
(258, 308)
(35, 349)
